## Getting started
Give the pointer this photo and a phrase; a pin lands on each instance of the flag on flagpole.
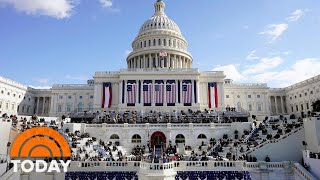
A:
(163, 54)
(187, 92)
(107, 95)
(213, 95)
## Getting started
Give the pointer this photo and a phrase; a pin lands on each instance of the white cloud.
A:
(54, 8)
(252, 55)
(296, 15)
(263, 65)
(106, 3)
(77, 77)
(274, 31)
(299, 71)
(127, 52)
(231, 71)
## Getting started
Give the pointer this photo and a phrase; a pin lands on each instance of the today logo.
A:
(40, 142)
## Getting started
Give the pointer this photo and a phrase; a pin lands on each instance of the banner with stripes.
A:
(131, 92)
(106, 95)
(147, 92)
(159, 92)
(213, 95)
(187, 92)
(171, 92)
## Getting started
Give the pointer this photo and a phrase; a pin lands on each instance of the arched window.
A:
(136, 138)
(169, 42)
(149, 43)
(180, 138)
(154, 42)
(202, 136)
(159, 42)
(114, 136)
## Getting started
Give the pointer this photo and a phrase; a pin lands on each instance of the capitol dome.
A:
(159, 44)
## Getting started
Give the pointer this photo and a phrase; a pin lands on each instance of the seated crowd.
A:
(189, 116)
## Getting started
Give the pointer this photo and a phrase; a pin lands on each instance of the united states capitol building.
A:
(160, 118)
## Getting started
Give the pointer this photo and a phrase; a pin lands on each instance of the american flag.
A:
(131, 93)
(187, 93)
(147, 93)
(163, 54)
(171, 93)
(212, 95)
(159, 91)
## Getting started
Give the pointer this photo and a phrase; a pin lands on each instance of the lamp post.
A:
(8, 145)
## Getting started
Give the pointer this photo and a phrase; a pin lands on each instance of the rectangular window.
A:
(249, 96)
(80, 97)
(291, 108)
(290, 98)
(227, 96)
(305, 94)
(307, 105)
(259, 107)
(2, 92)
(60, 97)
(69, 97)
(12, 107)
(258, 96)
(0, 105)
(68, 108)
(301, 107)
(7, 106)
(297, 108)
(14, 95)
(311, 92)
(250, 107)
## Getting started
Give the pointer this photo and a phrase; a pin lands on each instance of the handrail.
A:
(251, 133)
(214, 147)
(302, 172)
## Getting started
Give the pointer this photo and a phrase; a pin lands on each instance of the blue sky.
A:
(45, 42)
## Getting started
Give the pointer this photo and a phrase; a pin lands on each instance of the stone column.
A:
(276, 102)
(157, 60)
(125, 92)
(150, 61)
(37, 109)
(192, 90)
(120, 92)
(282, 107)
(43, 104)
(198, 92)
(52, 105)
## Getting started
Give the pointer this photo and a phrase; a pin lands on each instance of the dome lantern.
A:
(159, 8)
